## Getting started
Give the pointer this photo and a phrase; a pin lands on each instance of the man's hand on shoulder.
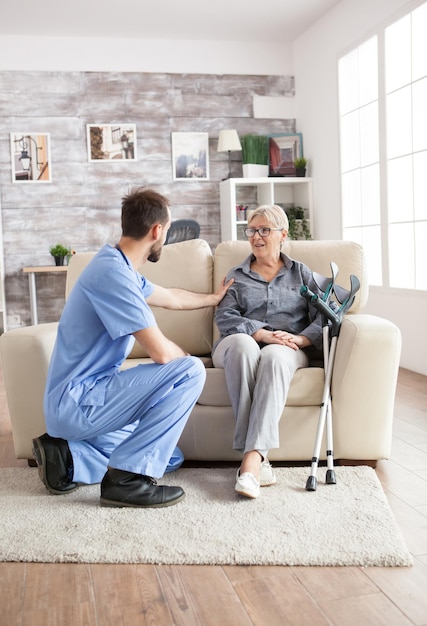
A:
(222, 290)
(181, 299)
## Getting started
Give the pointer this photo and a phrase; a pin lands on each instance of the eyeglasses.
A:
(263, 232)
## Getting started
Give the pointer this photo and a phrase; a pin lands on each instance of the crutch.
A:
(331, 326)
(327, 286)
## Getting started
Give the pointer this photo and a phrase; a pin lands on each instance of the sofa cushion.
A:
(187, 265)
(317, 255)
(306, 388)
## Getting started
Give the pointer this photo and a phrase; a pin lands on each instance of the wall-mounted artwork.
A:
(111, 142)
(190, 156)
(30, 154)
(283, 150)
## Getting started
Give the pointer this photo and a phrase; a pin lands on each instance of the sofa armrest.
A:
(364, 385)
(25, 354)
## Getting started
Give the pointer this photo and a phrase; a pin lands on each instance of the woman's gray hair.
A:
(273, 213)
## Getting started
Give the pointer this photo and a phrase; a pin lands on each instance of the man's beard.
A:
(154, 254)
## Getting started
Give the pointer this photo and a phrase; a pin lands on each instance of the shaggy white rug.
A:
(349, 523)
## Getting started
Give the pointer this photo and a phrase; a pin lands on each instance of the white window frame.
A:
(379, 33)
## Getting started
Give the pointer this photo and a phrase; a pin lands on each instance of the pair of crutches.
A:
(332, 314)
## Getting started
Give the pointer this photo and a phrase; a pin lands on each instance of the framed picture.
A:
(190, 156)
(282, 152)
(111, 142)
(30, 155)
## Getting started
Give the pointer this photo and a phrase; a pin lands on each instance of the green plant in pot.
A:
(254, 153)
(59, 253)
(298, 224)
(300, 166)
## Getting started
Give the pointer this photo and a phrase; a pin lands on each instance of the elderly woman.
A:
(265, 326)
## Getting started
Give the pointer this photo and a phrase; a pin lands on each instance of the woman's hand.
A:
(281, 337)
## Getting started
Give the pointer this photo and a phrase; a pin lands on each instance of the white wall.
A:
(315, 56)
(137, 55)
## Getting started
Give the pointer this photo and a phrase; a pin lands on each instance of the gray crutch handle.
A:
(323, 307)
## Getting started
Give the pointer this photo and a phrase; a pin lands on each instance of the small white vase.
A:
(252, 170)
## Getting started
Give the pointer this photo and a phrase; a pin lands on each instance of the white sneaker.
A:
(247, 485)
(267, 476)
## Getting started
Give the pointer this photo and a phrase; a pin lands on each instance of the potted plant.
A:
(300, 166)
(254, 155)
(59, 253)
(298, 224)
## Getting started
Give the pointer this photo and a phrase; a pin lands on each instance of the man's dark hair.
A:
(141, 209)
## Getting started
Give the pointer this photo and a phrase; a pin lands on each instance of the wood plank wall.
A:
(81, 206)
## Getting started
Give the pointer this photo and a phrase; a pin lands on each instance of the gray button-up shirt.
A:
(252, 302)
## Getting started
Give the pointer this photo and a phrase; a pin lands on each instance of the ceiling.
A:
(235, 20)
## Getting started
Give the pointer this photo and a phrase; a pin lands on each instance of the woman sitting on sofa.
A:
(265, 327)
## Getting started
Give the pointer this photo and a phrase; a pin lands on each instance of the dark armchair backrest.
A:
(182, 230)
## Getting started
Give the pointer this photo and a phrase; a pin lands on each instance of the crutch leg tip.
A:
(330, 477)
(311, 484)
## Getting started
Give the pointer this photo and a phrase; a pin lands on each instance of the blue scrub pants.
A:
(138, 426)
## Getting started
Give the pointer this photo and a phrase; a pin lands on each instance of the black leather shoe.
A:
(120, 488)
(55, 464)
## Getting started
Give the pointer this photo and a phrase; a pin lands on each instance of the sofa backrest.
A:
(317, 255)
(190, 265)
(187, 265)
(76, 265)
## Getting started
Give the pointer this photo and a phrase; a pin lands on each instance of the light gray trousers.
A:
(258, 381)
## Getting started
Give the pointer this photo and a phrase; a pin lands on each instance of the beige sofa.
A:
(363, 385)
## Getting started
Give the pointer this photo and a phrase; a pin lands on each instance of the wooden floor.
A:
(34, 594)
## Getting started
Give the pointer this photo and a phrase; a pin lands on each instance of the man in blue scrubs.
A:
(120, 428)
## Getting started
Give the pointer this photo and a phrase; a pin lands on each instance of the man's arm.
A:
(181, 299)
(158, 347)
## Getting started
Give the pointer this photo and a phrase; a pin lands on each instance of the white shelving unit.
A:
(253, 192)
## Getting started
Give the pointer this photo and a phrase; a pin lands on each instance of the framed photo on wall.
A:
(282, 152)
(190, 156)
(30, 155)
(111, 142)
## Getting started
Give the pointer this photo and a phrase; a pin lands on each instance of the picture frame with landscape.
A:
(283, 149)
(190, 156)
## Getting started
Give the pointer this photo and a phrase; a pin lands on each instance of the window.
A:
(406, 124)
(384, 176)
(360, 174)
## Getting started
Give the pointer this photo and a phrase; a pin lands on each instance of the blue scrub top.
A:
(106, 305)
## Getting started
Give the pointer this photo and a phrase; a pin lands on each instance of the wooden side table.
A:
(32, 271)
